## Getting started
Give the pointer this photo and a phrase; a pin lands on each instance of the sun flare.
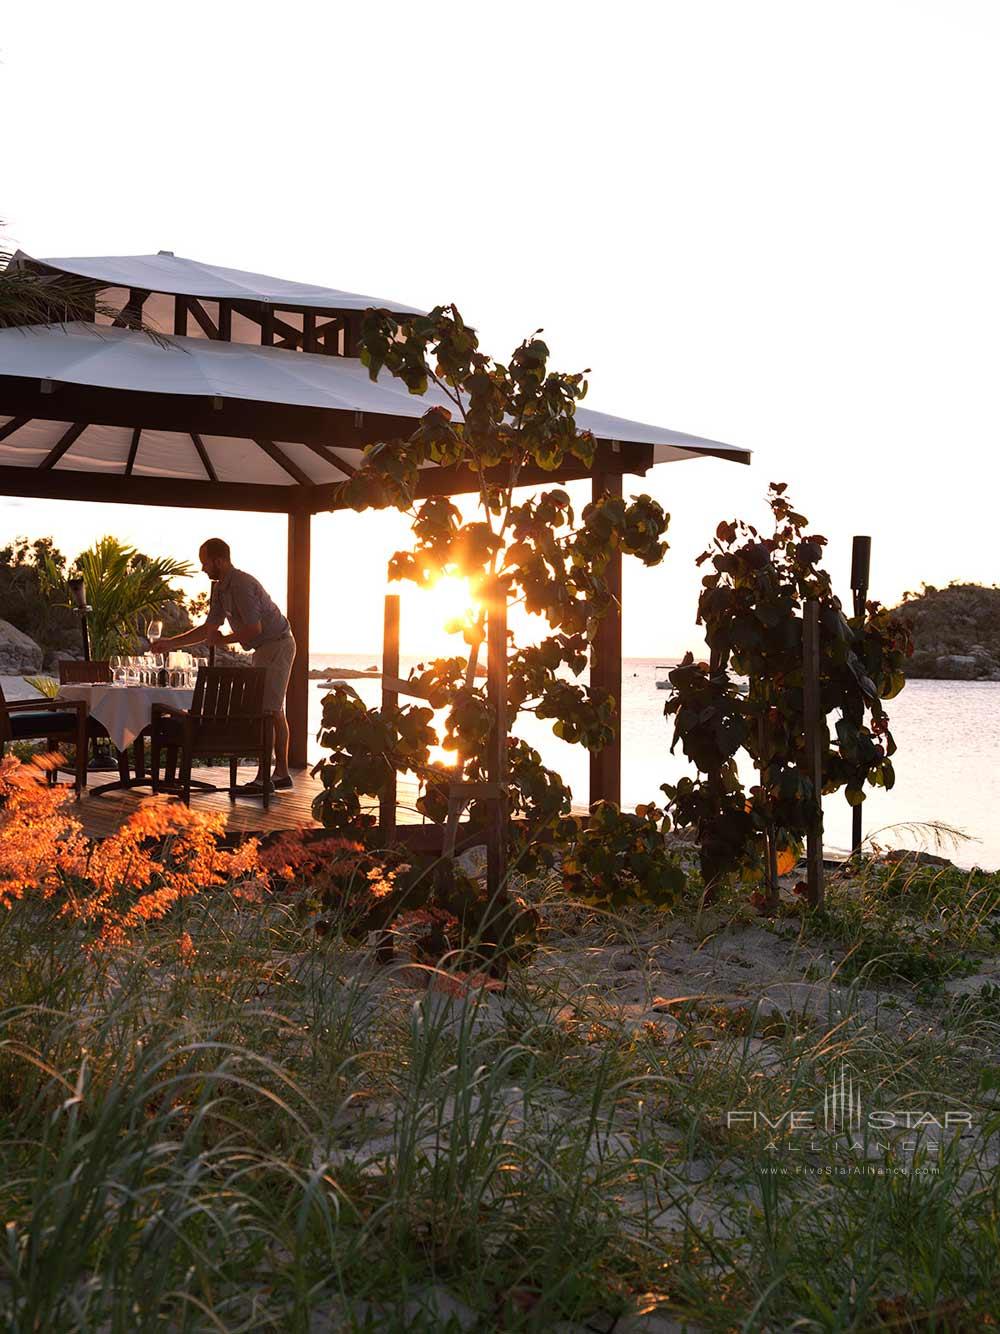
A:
(448, 599)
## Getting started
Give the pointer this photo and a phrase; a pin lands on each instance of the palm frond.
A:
(124, 590)
(28, 297)
(45, 685)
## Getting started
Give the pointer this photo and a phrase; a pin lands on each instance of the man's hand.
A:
(160, 645)
(214, 635)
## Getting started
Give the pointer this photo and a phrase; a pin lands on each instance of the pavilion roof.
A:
(167, 272)
(102, 412)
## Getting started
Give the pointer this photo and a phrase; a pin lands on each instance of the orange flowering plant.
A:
(165, 852)
(160, 855)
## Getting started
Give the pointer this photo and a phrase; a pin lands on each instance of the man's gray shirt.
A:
(241, 600)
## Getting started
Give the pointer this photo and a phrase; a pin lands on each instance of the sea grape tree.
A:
(500, 425)
(751, 607)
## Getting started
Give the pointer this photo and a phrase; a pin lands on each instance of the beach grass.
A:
(273, 1132)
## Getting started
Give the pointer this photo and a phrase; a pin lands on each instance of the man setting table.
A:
(256, 623)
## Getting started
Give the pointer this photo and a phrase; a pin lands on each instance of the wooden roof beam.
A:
(206, 462)
(331, 456)
(133, 449)
(283, 461)
(13, 426)
(66, 441)
(130, 315)
(202, 318)
(181, 493)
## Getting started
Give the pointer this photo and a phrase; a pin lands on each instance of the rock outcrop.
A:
(19, 653)
(956, 632)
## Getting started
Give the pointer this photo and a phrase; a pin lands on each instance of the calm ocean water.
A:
(948, 734)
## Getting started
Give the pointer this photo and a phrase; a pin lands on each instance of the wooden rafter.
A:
(328, 335)
(12, 426)
(130, 315)
(268, 320)
(206, 462)
(331, 456)
(283, 461)
(133, 449)
(180, 315)
(66, 441)
(202, 318)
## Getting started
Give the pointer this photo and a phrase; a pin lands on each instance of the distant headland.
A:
(956, 632)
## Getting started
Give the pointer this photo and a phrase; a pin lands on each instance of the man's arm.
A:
(199, 634)
(241, 634)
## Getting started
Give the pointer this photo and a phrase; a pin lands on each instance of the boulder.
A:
(19, 654)
(58, 655)
(910, 855)
(958, 667)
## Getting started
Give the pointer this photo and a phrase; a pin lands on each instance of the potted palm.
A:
(124, 591)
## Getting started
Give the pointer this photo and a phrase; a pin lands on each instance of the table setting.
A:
(123, 706)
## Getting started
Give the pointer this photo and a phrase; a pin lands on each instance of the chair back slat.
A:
(84, 673)
(228, 694)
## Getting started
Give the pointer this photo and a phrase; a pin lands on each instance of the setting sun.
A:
(448, 600)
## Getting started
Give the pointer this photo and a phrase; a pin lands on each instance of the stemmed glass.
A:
(156, 660)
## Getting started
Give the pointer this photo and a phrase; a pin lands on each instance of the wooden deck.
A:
(101, 816)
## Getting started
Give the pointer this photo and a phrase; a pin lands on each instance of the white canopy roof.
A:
(166, 272)
(120, 359)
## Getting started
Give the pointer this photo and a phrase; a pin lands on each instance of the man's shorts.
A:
(277, 655)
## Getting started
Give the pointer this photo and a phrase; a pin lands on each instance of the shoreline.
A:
(359, 673)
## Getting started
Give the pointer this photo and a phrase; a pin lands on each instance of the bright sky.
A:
(774, 224)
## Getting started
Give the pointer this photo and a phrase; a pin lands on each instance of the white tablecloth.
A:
(125, 710)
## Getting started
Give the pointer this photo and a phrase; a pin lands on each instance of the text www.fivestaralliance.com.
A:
(856, 1170)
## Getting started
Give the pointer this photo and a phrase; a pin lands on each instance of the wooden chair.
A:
(226, 719)
(34, 719)
(84, 673)
(95, 672)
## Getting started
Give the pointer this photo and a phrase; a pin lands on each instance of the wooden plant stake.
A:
(772, 898)
(496, 755)
(861, 561)
(813, 748)
(390, 699)
(384, 945)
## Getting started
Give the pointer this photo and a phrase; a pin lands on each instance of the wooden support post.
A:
(297, 698)
(770, 838)
(861, 562)
(606, 661)
(496, 755)
(811, 708)
(390, 698)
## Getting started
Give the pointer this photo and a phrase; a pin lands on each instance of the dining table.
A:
(125, 712)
